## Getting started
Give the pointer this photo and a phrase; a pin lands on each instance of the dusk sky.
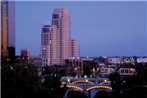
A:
(102, 28)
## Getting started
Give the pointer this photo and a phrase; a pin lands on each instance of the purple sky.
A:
(102, 28)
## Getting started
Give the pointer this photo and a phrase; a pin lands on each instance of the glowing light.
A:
(85, 76)
(93, 70)
(63, 82)
(86, 80)
(43, 48)
(99, 87)
(75, 69)
(78, 81)
(68, 80)
(105, 81)
(75, 87)
(11, 67)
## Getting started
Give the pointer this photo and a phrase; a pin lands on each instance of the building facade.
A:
(8, 29)
(61, 19)
(36, 60)
(56, 44)
(75, 48)
(49, 45)
(25, 55)
(45, 44)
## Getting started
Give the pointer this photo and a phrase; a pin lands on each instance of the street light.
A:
(105, 80)
(68, 80)
(75, 69)
(86, 80)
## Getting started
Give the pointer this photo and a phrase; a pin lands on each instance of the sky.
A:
(109, 28)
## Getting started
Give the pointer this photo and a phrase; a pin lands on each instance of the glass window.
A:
(55, 16)
(126, 71)
(122, 71)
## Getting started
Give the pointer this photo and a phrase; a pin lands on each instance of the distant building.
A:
(114, 60)
(25, 55)
(79, 64)
(36, 60)
(61, 19)
(49, 45)
(127, 71)
(56, 44)
(129, 60)
(75, 48)
(106, 71)
(142, 60)
(8, 29)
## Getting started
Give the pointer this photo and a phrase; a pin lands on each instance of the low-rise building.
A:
(25, 55)
(36, 60)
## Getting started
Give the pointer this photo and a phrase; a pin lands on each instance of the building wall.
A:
(45, 45)
(75, 48)
(11, 24)
(36, 60)
(4, 32)
(8, 28)
(61, 19)
(25, 55)
(56, 44)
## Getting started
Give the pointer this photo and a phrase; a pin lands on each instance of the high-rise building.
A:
(61, 19)
(50, 45)
(56, 44)
(45, 44)
(4, 34)
(75, 48)
(8, 29)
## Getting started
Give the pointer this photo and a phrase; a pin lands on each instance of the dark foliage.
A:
(76, 94)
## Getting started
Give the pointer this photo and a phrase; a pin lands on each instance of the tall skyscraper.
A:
(8, 28)
(49, 45)
(56, 44)
(45, 45)
(61, 19)
(4, 34)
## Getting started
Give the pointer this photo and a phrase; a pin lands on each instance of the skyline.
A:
(101, 19)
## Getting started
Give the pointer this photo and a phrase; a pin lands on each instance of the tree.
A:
(52, 82)
(19, 80)
(115, 83)
(76, 94)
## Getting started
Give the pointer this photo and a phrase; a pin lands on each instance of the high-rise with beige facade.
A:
(56, 44)
(61, 19)
(49, 45)
(75, 48)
